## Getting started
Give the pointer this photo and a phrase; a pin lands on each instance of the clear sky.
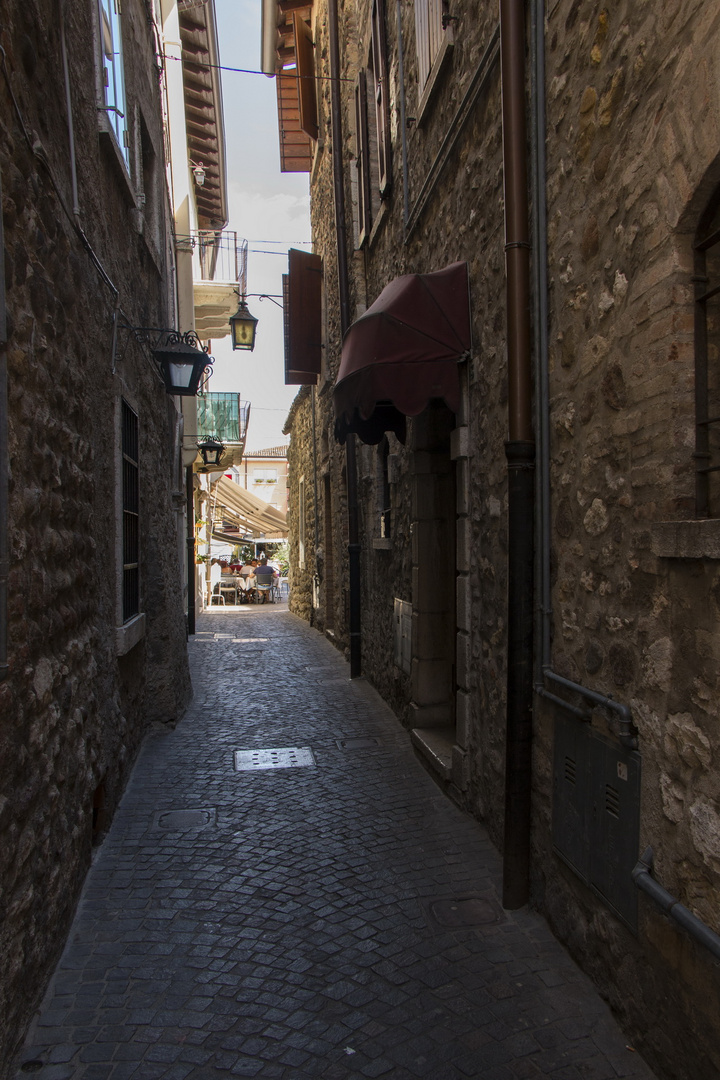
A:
(270, 209)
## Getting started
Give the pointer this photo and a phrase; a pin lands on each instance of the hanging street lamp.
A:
(211, 450)
(242, 325)
(183, 362)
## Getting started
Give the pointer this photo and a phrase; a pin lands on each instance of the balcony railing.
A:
(223, 415)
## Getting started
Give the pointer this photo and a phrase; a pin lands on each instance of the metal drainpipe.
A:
(520, 452)
(190, 513)
(4, 462)
(344, 298)
(403, 119)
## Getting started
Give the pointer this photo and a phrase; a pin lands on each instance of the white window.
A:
(113, 76)
(265, 476)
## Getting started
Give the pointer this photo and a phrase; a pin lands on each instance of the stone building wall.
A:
(77, 699)
(634, 143)
(633, 148)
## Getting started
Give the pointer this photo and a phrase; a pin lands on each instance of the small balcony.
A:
(224, 417)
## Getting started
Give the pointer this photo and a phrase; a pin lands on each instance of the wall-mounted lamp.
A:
(199, 174)
(243, 326)
(184, 363)
(211, 451)
(242, 323)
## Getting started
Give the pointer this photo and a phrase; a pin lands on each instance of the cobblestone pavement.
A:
(329, 921)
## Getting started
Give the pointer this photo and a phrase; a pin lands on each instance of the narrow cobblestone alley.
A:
(335, 919)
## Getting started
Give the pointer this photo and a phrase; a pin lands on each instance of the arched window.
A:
(706, 280)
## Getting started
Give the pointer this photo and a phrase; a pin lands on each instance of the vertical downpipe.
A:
(190, 514)
(403, 118)
(520, 453)
(4, 462)
(344, 298)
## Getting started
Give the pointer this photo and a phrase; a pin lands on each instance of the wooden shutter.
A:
(382, 109)
(422, 41)
(302, 303)
(362, 162)
(305, 58)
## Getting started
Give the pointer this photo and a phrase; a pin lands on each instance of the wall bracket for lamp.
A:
(184, 362)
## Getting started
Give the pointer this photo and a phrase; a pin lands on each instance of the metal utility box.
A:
(596, 813)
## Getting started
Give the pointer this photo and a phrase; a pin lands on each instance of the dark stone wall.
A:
(72, 710)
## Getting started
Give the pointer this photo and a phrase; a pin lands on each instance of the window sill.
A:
(153, 251)
(110, 144)
(317, 158)
(446, 47)
(127, 636)
(686, 539)
(378, 223)
(382, 543)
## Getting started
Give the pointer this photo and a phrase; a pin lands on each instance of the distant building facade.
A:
(532, 543)
(265, 474)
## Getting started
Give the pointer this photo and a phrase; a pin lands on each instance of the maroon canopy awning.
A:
(403, 352)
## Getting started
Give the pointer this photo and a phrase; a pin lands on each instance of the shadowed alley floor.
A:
(331, 916)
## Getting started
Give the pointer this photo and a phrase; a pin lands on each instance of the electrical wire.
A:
(38, 151)
(251, 71)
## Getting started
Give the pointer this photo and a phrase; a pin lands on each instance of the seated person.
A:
(266, 575)
(247, 577)
(215, 575)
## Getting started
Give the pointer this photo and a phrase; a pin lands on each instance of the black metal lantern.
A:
(211, 451)
(183, 363)
(242, 325)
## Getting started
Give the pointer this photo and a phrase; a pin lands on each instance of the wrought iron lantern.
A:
(211, 451)
(243, 325)
(183, 362)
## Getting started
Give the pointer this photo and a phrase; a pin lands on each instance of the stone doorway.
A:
(434, 575)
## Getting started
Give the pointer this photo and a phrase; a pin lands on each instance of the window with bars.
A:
(130, 513)
(113, 74)
(706, 280)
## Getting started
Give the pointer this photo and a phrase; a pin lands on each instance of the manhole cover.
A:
(185, 819)
(361, 743)
(473, 911)
(285, 757)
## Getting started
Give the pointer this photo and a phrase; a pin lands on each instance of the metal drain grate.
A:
(462, 912)
(361, 743)
(185, 819)
(284, 757)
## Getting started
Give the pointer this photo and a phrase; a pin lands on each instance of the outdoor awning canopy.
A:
(403, 352)
(255, 518)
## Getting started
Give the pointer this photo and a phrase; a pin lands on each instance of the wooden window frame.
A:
(378, 63)
(362, 159)
(429, 34)
(112, 69)
(130, 448)
(305, 60)
(707, 418)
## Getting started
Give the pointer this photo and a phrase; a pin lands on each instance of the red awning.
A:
(403, 352)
